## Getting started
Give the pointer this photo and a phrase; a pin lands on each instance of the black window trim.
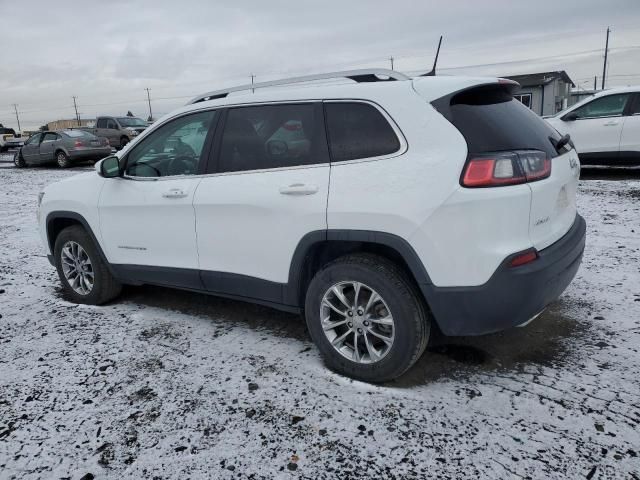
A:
(633, 104)
(404, 145)
(205, 154)
(214, 168)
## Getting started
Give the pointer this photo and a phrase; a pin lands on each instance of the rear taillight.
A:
(506, 168)
(78, 143)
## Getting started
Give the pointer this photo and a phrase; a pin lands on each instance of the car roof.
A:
(430, 88)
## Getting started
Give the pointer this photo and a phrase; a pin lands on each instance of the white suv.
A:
(605, 128)
(383, 208)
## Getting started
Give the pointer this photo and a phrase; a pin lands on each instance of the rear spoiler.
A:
(500, 91)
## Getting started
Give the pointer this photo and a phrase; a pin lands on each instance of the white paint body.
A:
(610, 134)
(243, 222)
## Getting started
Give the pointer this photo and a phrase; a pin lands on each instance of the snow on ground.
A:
(167, 384)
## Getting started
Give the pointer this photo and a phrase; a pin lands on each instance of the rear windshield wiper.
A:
(559, 144)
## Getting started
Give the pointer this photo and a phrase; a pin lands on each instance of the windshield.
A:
(131, 122)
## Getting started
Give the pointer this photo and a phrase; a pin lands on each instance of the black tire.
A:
(105, 287)
(18, 160)
(62, 159)
(123, 142)
(412, 321)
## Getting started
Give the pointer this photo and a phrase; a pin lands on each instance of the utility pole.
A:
(391, 60)
(15, 107)
(75, 106)
(595, 83)
(252, 77)
(604, 66)
(149, 100)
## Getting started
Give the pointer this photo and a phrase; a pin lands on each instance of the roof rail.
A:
(363, 75)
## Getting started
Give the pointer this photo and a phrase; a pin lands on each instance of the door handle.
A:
(611, 124)
(174, 193)
(299, 189)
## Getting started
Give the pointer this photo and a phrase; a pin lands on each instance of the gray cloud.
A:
(107, 53)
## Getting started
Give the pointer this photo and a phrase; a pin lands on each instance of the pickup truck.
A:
(9, 138)
(118, 130)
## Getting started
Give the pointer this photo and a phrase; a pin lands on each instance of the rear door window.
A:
(272, 136)
(358, 130)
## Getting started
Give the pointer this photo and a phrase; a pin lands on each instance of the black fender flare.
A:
(68, 215)
(399, 244)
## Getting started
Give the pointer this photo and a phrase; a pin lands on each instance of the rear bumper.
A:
(513, 295)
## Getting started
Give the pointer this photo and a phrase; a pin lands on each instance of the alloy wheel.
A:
(357, 322)
(77, 268)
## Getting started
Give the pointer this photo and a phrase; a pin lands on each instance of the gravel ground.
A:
(167, 384)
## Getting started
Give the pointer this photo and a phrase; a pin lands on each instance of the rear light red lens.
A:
(506, 168)
(524, 258)
(78, 143)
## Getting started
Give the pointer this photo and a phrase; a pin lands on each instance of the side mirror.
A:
(109, 167)
(570, 117)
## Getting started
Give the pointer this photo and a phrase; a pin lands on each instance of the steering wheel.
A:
(182, 165)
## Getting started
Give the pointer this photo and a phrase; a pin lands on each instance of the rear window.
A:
(77, 133)
(358, 130)
(491, 120)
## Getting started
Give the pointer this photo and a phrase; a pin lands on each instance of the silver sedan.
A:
(63, 147)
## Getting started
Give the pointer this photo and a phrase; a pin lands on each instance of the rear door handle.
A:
(611, 124)
(174, 193)
(299, 189)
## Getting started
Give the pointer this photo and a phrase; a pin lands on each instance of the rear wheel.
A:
(366, 318)
(62, 159)
(123, 142)
(18, 160)
(82, 271)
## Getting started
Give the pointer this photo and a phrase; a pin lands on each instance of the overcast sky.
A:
(106, 53)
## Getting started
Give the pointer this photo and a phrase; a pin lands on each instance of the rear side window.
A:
(491, 120)
(273, 136)
(358, 130)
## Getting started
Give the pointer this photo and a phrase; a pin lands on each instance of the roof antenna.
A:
(432, 73)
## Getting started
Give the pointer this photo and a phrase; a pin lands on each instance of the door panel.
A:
(251, 223)
(147, 217)
(591, 135)
(47, 147)
(271, 190)
(147, 222)
(31, 149)
(630, 138)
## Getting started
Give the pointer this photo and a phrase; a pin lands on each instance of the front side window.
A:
(272, 136)
(33, 140)
(358, 130)
(175, 148)
(609, 106)
(112, 124)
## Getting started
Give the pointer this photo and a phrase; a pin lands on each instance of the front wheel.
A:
(366, 318)
(82, 271)
(123, 142)
(18, 160)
